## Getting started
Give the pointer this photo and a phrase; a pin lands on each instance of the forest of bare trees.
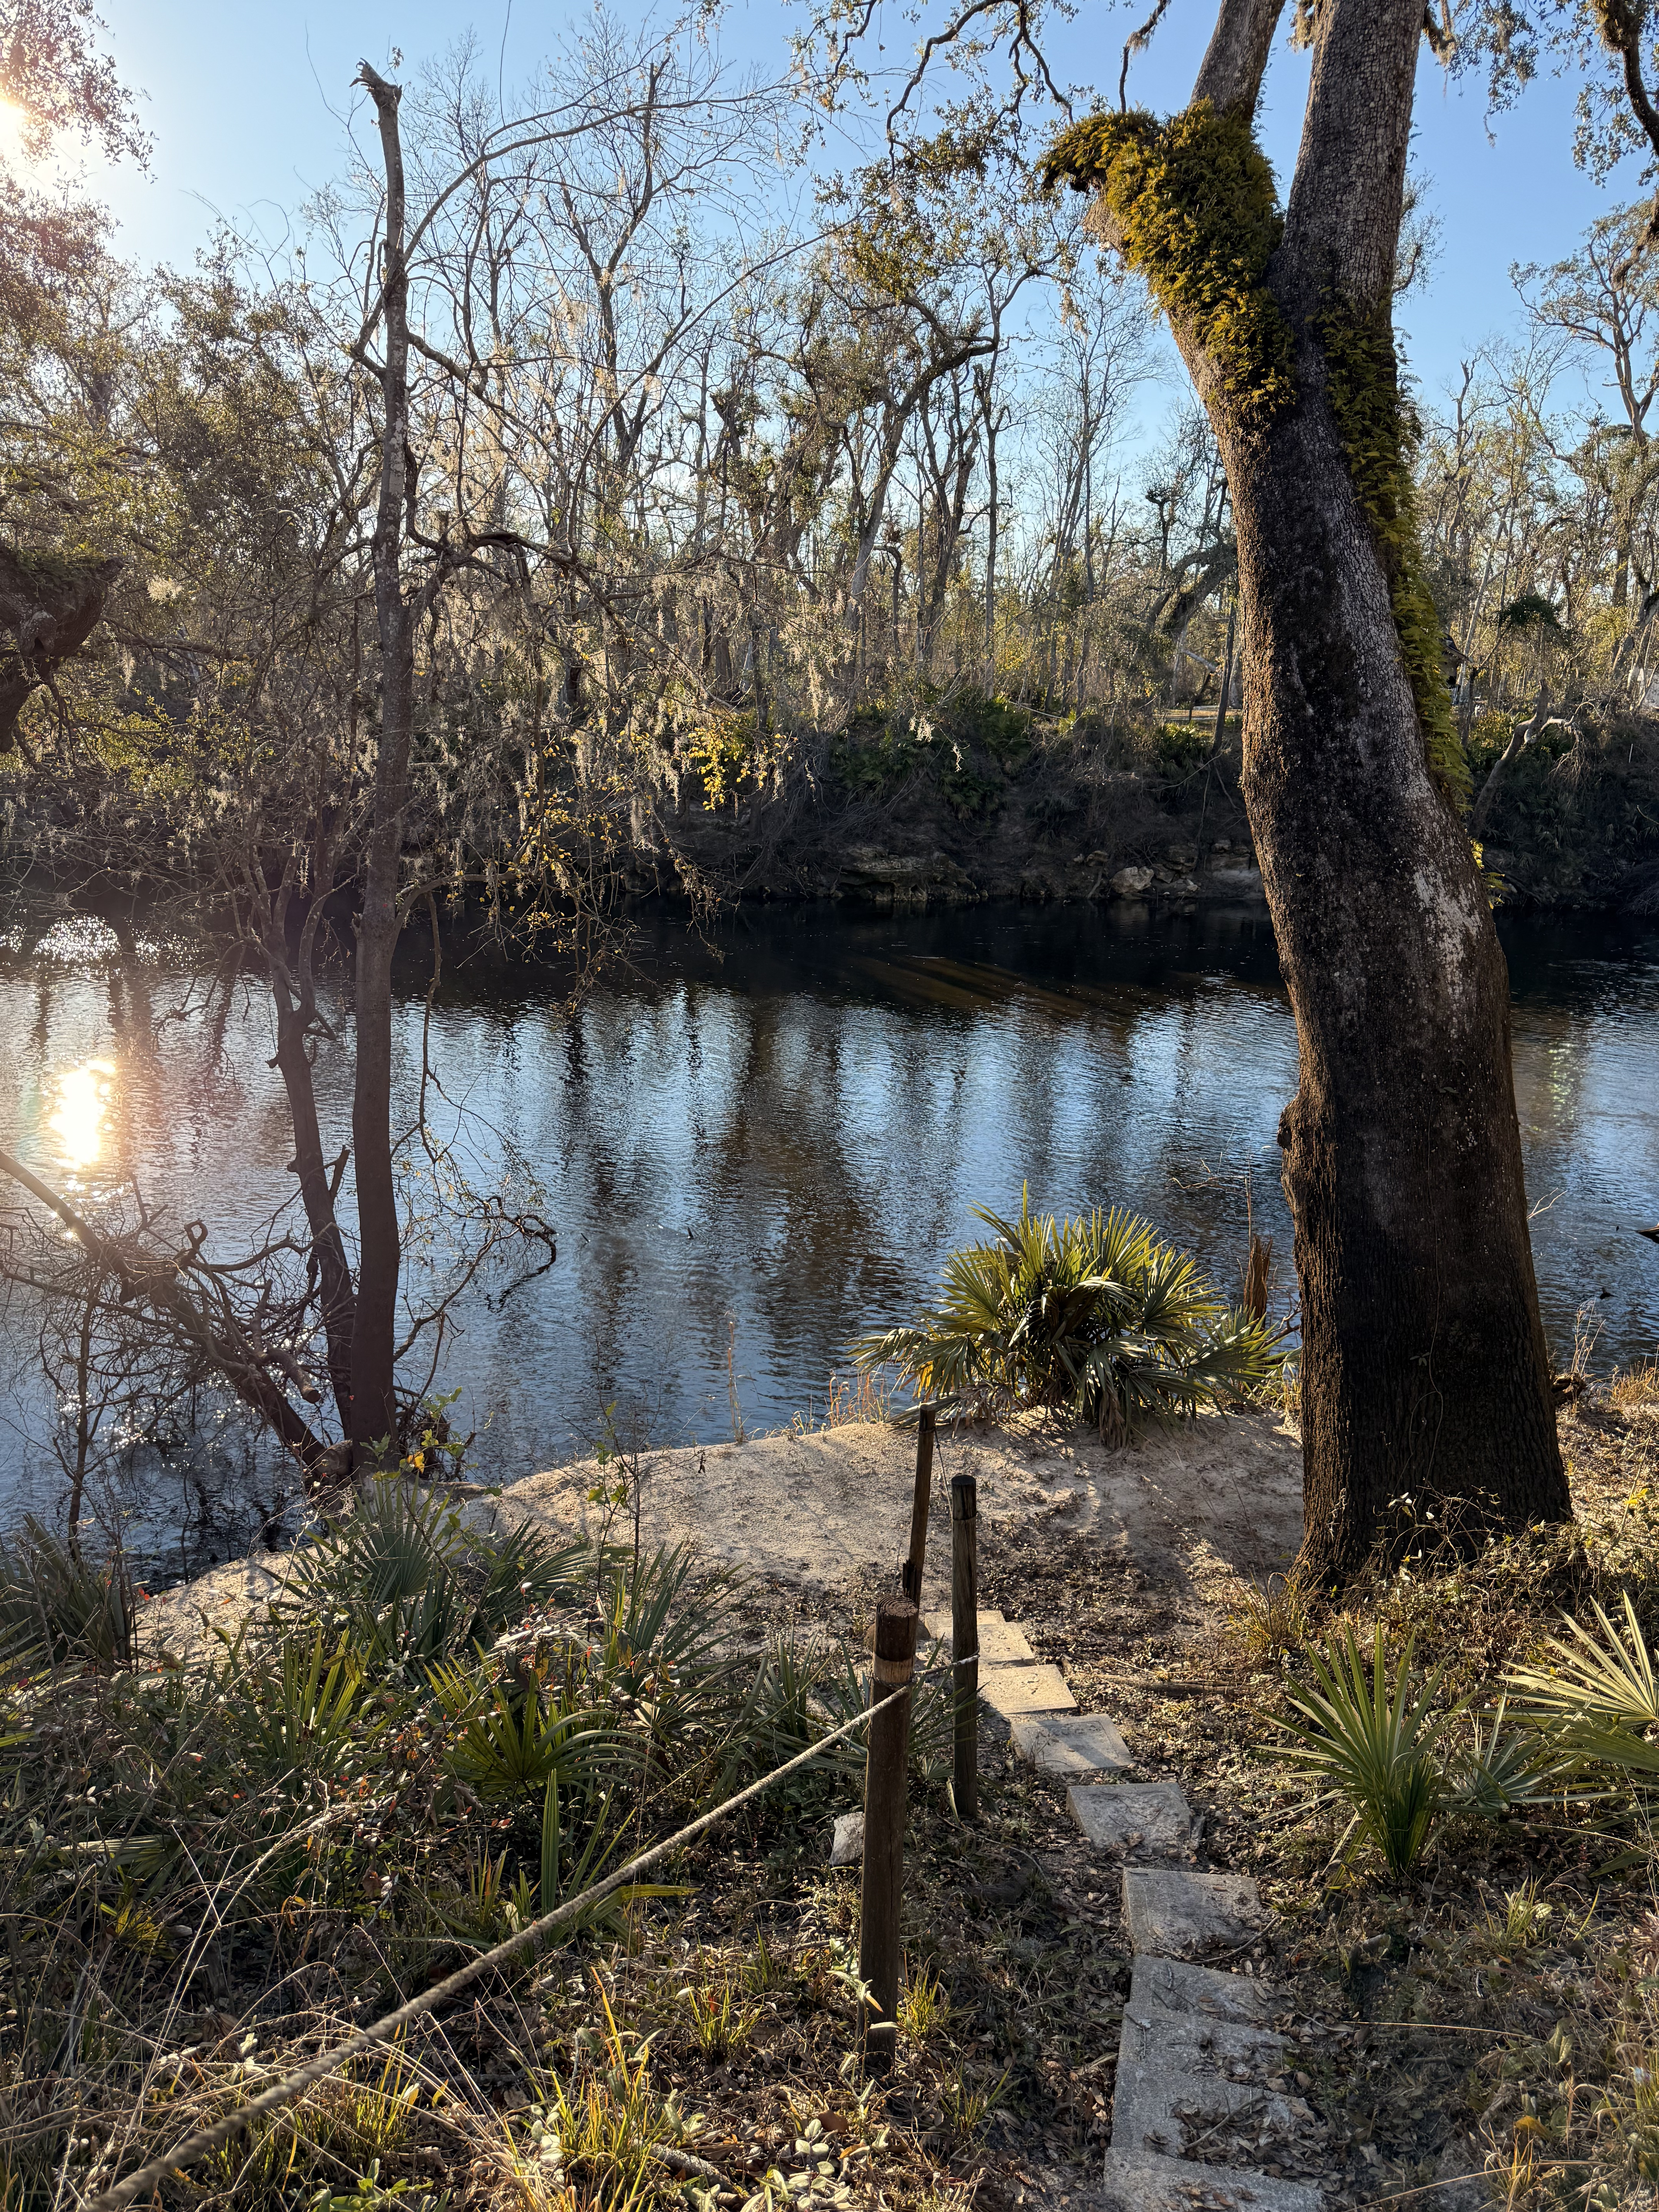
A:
(721, 476)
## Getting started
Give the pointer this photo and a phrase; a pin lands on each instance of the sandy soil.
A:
(825, 1512)
(821, 1509)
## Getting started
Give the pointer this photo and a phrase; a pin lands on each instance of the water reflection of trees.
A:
(796, 1134)
(824, 1158)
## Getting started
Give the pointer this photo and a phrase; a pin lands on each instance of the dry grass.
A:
(850, 1400)
(1635, 1390)
(1272, 1619)
(1496, 2014)
(708, 2042)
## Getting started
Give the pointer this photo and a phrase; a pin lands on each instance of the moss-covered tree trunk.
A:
(1425, 1371)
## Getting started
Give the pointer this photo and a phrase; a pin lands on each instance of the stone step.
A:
(1180, 2074)
(1160, 1986)
(1035, 1689)
(1002, 1643)
(1141, 2182)
(1088, 1747)
(1147, 1816)
(1173, 1914)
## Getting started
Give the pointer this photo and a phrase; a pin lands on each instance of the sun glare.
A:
(80, 1118)
(11, 131)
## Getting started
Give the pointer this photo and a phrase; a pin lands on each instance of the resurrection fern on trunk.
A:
(1095, 1317)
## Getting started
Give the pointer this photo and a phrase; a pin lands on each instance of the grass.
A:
(1494, 1998)
(850, 1400)
(1635, 1389)
(284, 1843)
(212, 1870)
(1272, 1619)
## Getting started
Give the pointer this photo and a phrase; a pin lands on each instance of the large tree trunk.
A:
(1424, 1371)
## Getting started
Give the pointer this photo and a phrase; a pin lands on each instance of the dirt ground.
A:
(827, 1513)
(1223, 1491)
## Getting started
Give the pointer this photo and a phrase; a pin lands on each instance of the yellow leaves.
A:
(725, 751)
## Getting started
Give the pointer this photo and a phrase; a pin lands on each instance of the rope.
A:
(281, 2092)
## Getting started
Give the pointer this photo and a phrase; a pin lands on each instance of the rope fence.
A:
(205, 2140)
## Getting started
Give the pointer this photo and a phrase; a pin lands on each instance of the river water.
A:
(758, 1144)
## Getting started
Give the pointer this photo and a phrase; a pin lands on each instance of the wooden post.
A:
(884, 1795)
(911, 1580)
(965, 1640)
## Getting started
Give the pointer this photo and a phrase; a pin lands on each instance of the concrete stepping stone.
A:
(1088, 1747)
(1161, 1986)
(1151, 1816)
(1183, 2076)
(1137, 2181)
(1035, 1689)
(1002, 1643)
(1173, 1914)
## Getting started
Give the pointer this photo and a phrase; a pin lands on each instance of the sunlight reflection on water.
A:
(80, 1118)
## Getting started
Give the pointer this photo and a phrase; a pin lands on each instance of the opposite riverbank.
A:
(977, 800)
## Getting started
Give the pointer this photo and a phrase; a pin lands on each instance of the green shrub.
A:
(798, 1694)
(1597, 1697)
(1489, 736)
(1003, 729)
(301, 1715)
(407, 1585)
(968, 794)
(57, 1607)
(1374, 1743)
(1180, 749)
(1384, 1749)
(507, 1742)
(1096, 1317)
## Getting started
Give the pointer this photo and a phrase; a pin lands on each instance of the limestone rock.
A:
(1133, 883)
(1176, 1914)
(1137, 2181)
(847, 1849)
(1011, 1690)
(1162, 1986)
(911, 878)
(1184, 2079)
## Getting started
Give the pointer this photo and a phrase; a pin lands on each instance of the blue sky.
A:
(245, 103)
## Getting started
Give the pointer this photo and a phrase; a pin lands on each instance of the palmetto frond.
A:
(1598, 1696)
(1095, 1315)
(1373, 1742)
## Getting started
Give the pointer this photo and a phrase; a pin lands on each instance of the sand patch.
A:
(1214, 1497)
(824, 1511)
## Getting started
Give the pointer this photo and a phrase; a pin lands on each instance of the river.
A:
(757, 1143)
